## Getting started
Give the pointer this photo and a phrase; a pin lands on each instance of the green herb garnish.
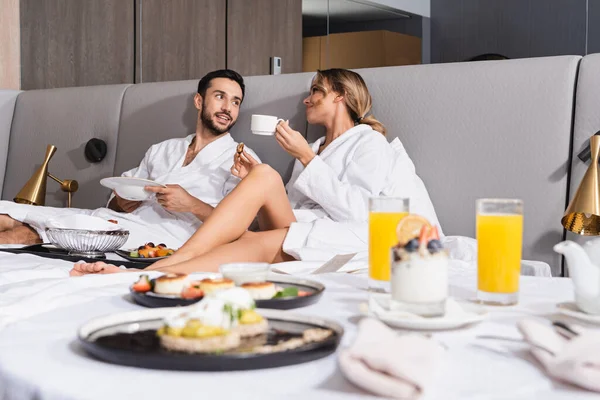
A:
(287, 292)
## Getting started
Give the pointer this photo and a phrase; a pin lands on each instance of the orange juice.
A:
(382, 237)
(499, 242)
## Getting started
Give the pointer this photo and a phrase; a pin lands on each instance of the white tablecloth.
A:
(41, 309)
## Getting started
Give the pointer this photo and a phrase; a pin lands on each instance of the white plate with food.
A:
(175, 290)
(130, 188)
(265, 339)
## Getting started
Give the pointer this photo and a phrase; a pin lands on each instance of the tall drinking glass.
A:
(499, 244)
(384, 215)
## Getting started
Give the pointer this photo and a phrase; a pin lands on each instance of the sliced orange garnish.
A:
(410, 227)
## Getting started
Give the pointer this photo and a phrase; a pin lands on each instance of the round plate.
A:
(467, 314)
(130, 339)
(125, 254)
(570, 309)
(130, 188)
(316, 289)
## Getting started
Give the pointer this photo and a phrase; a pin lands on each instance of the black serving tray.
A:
(41, 251)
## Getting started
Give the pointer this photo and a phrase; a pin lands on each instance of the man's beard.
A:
(209, 124)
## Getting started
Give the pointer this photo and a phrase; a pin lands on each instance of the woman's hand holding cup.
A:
(294, 143)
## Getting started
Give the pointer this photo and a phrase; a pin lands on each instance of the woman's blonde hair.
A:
(356, 95)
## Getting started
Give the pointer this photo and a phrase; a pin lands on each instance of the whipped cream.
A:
(220, 309)
(420, 279)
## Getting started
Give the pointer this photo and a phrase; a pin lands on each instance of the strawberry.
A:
(193, 291)
(143, 284)
(435, 234)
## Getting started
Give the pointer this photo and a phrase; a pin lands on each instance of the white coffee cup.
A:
(264, 124)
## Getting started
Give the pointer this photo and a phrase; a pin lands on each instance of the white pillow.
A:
(405, 182)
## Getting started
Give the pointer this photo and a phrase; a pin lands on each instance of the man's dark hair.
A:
(204, 83)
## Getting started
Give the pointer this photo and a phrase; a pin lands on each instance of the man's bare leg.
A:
(7, 223)
(20, 235)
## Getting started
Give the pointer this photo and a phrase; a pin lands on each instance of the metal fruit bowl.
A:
(86, 243)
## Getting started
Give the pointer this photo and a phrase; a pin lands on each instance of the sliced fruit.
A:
(424, 234)
(434, 234)
(134, 254)
(192, 292)
(144, 253)
(161, 252)
(143, 284)
(410, 227)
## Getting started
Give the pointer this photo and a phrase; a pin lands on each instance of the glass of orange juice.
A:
(384, 215)
(499, 244)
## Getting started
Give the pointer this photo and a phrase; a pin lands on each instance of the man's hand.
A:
(242, 164)
(122, 205)
(294, 143)
(175, 198)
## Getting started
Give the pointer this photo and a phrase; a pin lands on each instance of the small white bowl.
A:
(241, 273)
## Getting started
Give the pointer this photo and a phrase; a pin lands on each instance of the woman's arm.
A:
(366, 175)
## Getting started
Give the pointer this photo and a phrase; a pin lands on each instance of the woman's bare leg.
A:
(261, 190)
(7, 223)
(251, 247)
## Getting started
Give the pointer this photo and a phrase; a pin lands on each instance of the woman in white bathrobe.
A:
(326, 202)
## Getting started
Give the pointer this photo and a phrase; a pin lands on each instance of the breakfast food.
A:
(213, 324)
(172, 284)
(180, 285)
(260, 290)
(249, 322)
(419, 269)
(150, 251)
(240, 148)
(212, 285)
(143, 285)
(192, 291)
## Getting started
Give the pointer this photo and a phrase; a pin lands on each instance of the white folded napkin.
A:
(387, 364)
(575, 360)
(81, 221)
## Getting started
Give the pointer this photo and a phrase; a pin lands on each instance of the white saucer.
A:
(570, 309)
(130, 188)
(458, 314)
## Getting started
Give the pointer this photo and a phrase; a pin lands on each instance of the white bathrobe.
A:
(207, 178)
(330, 196)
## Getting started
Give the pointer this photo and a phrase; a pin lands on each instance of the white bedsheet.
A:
(41, 309)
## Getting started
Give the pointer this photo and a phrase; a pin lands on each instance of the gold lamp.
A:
(583, 213)
(34, 191)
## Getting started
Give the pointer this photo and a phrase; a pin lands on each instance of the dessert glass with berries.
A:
(419, 278)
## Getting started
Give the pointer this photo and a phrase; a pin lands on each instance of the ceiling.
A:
(347, 11)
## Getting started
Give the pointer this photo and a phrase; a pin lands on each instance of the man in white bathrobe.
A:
(196, 170)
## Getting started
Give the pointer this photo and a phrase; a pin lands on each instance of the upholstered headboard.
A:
(66, 118)
(486, 129)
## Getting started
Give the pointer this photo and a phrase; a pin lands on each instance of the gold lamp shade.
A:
(34, 191)
(583, 213)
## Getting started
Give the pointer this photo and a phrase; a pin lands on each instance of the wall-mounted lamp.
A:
(34, 191)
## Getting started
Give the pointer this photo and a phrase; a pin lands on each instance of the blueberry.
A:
(434, 246)
(150, 244)
(412, 245)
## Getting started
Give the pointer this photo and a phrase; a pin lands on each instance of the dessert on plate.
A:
(419, 279)
(216, 323)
